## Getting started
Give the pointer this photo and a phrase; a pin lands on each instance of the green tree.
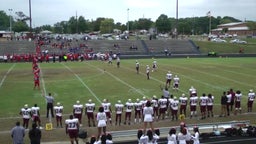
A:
(4, 21)
(72, 25)
(144, 23)
(163, 24)
(96, 24)
(20, 26)
(107, 26)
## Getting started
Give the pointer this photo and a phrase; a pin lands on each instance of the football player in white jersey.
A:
(155, 105)
(72, 128)
(168, 79)
(147, 71)
(89, 111)
(174, 106)
(154, 66)
(26, 114)
(251, 97)
(193, 104)
(192, 91)
(119, 110)
(163, 104)
(128, 111)
(210, 101)
(176, 82)
(58, 112)
(238, 98)
(107, 109)
(137, 66)
(78, 111)
(138, 111)
(183, 104)
(203, 103)
(36, 115)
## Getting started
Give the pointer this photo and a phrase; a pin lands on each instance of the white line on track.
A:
(82, 82)
(10, 69)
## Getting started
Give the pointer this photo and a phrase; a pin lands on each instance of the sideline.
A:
(82, 83)
(10, 69)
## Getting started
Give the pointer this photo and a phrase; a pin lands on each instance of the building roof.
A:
(231, 24)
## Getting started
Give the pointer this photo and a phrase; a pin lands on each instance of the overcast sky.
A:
(53, 11)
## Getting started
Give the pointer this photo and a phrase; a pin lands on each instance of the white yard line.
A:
(10, 69)
(218, 76)
(82, 83)
(118, 79)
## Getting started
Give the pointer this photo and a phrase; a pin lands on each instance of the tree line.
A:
(163, 24)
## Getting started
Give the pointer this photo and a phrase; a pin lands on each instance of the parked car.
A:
(218, 40)
(238, 41)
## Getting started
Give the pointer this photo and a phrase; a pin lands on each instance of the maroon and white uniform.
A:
(203, 103)
(193, 103)
(192, 91)
(26, 114)
(168, 78)
(155, 105)
(174, 106)
(210, 103)
(72, 127)
(119, 110)
(107, 109)
(89, 109)
(35, 114)
(128, 110)
(78, 111)
(238, 98)
(176, 81)
(143, 102)
(163, 102)
(138, 110)
(251, 97)
(183, 104)
(58, 112)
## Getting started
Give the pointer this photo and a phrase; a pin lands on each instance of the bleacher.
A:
(17, 47)
(123, 47)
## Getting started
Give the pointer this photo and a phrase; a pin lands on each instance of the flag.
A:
(208, 13)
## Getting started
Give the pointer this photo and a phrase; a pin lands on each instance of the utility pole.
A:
(10, 10)
(177, 14)
(128, 20)
(30, 18)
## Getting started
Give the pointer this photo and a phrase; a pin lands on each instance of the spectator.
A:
(195, 137)
(34, 134)
(17, 134)
(172, 138)
(149, 138)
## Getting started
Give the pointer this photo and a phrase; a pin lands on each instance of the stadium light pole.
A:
(10, 10)
(30, 17)
(128, 20)
(177, 14)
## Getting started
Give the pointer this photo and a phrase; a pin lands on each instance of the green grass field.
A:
(96, 80)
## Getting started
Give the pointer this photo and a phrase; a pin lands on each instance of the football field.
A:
(98, 80)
